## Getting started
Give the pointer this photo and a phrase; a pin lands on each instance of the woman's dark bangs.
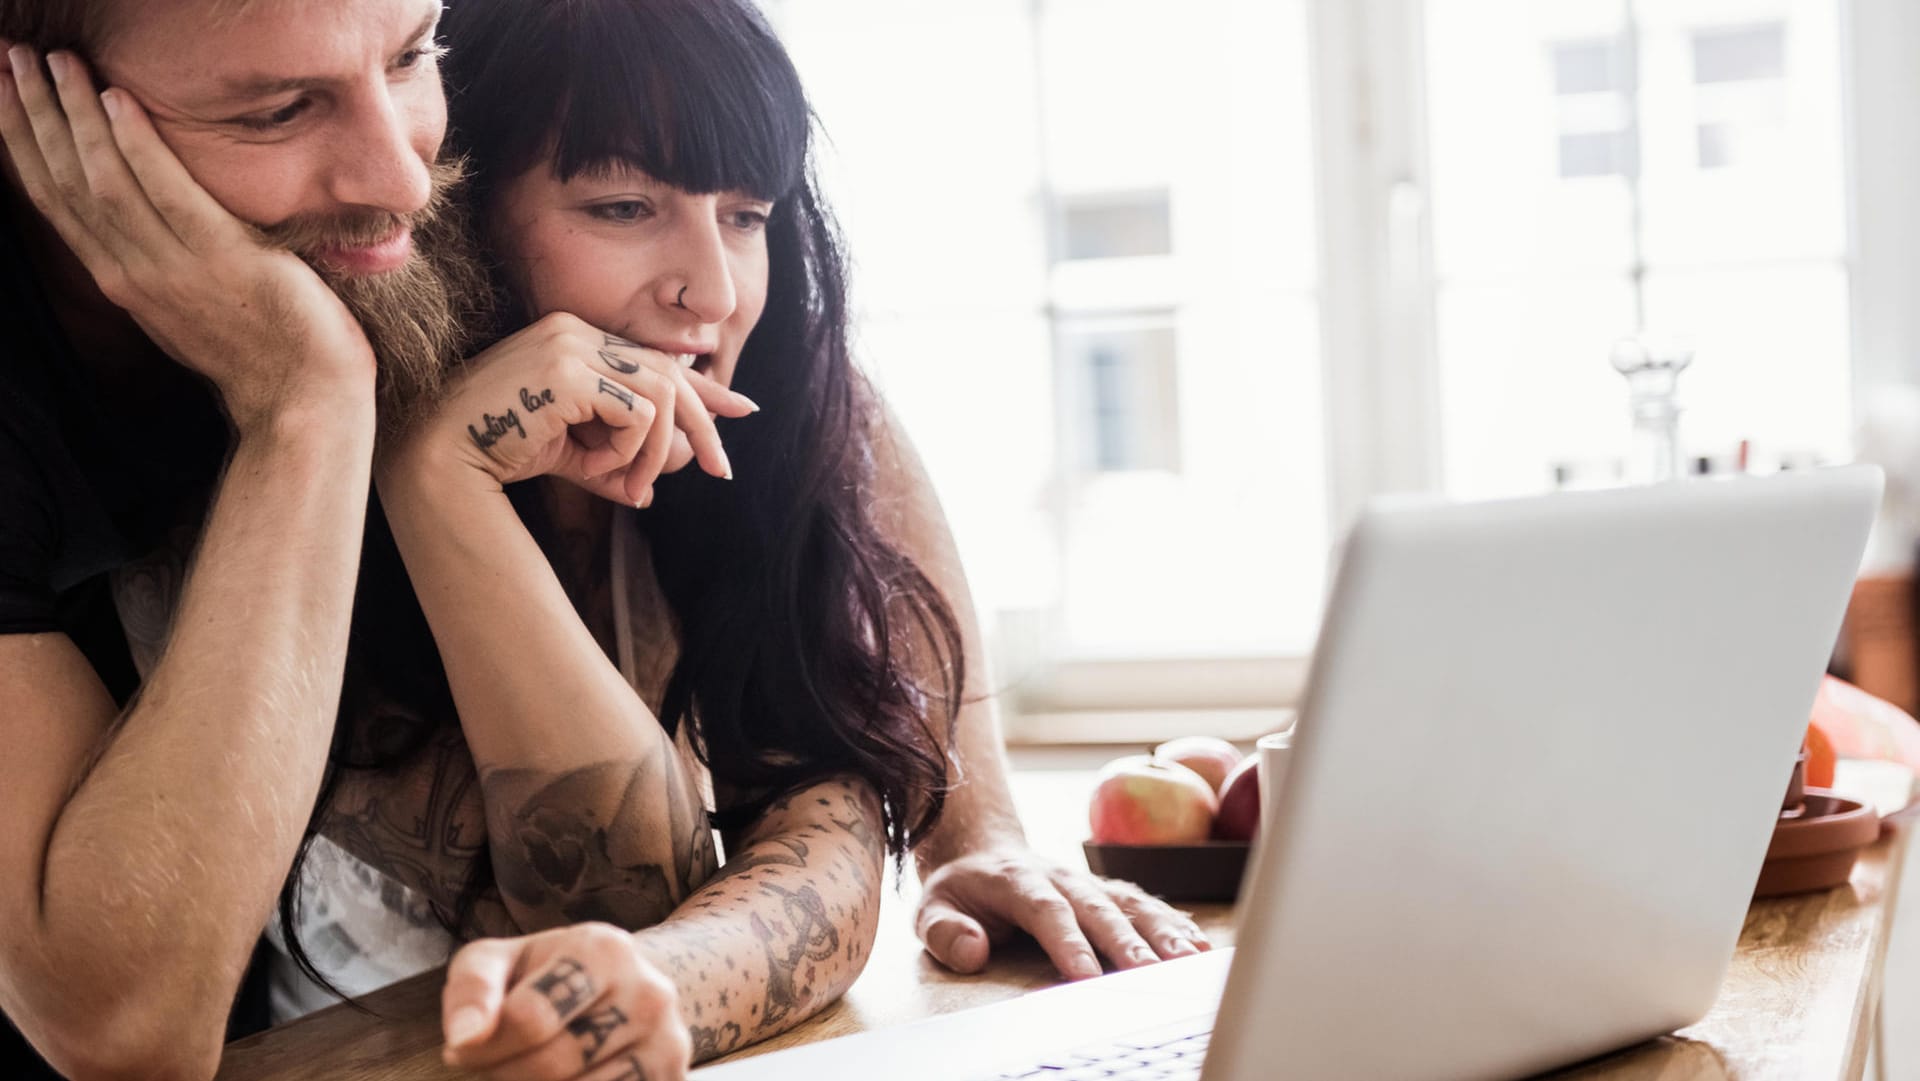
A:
(698, 95)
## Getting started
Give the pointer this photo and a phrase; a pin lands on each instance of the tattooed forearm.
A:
(621, 842)
(780, 852)
(803, 934)
(784, 928)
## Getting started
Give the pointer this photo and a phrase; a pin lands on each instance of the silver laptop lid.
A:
(1535, 775)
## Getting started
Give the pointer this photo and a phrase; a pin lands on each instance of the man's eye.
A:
(279, 118)
(413, 57)
(625, 210)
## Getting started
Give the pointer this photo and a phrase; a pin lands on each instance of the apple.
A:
(1239, 815)
(1140, 800)
(1209, 756)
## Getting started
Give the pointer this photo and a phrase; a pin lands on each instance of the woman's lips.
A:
(379, 258)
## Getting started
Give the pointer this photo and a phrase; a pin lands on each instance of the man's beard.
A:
(421, 318)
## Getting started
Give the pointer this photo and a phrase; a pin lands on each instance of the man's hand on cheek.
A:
(979, 899)
(257, 322)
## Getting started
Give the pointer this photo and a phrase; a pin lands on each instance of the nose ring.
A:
(680, 299)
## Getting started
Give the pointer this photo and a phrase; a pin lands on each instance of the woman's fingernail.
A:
(1143, 954)
(110, 101)
(21, 58)
(686, 360)
(57, 63)
(467, 1024)
(1180, 947)
(750, 403)
(726, 466)
(1085, 967)
(646, 499)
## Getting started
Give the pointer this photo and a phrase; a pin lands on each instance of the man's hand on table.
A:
(981, 898)
(576, 1002)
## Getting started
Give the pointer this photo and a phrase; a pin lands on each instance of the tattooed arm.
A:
(591, 812)
(778, 934)
(786, 925)
(983, 882)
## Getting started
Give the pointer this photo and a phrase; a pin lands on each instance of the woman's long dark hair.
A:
(807, 638)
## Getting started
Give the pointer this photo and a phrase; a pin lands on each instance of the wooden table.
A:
(1798, 1004)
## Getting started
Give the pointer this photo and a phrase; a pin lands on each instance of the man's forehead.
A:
(233, 48)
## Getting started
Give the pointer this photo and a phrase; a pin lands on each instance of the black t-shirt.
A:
(92, 476)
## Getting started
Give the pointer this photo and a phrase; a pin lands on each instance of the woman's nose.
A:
(701, 282)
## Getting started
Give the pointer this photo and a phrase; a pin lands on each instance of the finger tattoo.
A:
(594, 1029)
(618, 391)
(632, 1071)
(566, 985)
(619, 363)
(615, 339)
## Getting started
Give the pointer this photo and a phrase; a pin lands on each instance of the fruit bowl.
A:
(1814, 844)
(1209, 871)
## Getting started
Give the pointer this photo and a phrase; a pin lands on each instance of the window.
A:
(1546, 251)
(1085, 270)
(1116, 226)
(1740, 95)
(1590, 86)
(1126, 388)
(1164, 288)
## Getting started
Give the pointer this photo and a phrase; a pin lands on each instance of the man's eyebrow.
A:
(252, 87)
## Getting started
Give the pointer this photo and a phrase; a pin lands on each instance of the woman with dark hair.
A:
(640, 167)
(663, 263)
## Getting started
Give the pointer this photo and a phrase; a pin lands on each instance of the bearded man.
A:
(154, 797)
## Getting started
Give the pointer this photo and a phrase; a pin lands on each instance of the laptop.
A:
(1536, 770)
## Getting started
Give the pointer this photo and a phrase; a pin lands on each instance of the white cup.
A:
(1274, 750)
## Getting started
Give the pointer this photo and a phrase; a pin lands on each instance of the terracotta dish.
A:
(1814, 845)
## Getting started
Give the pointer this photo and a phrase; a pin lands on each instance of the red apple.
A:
(1209, 756)
(1239, 816)
(1140, 800)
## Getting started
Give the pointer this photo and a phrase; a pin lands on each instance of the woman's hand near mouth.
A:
(566, 399)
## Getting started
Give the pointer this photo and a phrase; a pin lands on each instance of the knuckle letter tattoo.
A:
(566, 985)
(618, 391)
(593, 1029)
(619, 363)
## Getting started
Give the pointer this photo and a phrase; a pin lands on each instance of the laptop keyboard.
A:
(1164, 1055)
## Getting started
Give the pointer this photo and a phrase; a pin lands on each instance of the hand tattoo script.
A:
(496, 428)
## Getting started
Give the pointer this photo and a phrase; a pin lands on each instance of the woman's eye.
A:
(624, 210)
(750, 220)
(279, 118)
